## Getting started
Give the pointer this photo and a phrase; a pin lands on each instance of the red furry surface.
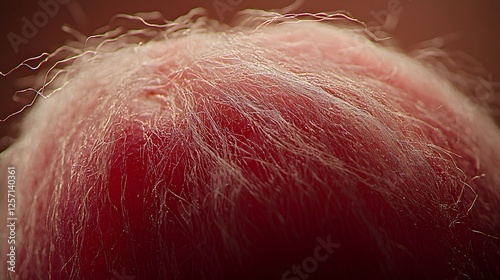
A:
(287, 151)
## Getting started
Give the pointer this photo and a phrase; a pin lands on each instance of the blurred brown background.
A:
(476, 21)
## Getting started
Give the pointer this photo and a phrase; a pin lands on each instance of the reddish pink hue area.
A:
(425, 247)
(135, 219)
